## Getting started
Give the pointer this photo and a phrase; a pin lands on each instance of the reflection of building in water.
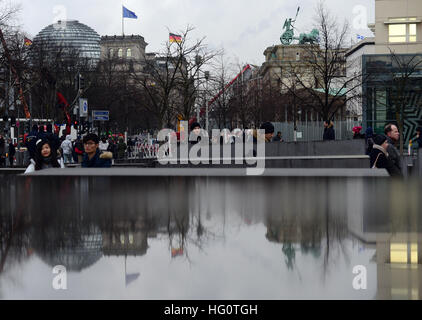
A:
(125, 243)
(391, 226)
(399, 273)
(75, 253)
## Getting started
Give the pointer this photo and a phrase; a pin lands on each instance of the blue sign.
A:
(100, 115)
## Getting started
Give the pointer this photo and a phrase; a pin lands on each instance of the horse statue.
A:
(311, 38)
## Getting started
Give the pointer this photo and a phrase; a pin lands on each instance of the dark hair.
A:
(268, 127)
(419, 129)
(40, 160)
(388, 128)
(35, 128)
(194, 125)
(49, 128)
(91, 136)
(379, 139)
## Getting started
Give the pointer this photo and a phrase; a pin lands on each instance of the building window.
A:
(111, 51)
(129, 53)
(397, 33)
(405, 32)
(120, 53)
(412, 32)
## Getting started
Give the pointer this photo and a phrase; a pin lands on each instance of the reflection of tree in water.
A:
(290, 253)
(305, 216)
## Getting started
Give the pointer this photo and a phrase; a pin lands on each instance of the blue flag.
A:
(129, 14)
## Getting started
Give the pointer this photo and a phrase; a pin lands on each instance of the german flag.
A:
(27, 42)
(175, 38)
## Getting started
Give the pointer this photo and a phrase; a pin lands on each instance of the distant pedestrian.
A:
(2, 152)
(369, 142)
(52, 137)
(45, 157)
(11, 152)
(195, 133)
(67, 149)
(278, 137)
(329, 133)
(418, 140)
(121, 148)
(78, 150)
(393, 136)
(103, 146)
(31, 141)
(356, 133)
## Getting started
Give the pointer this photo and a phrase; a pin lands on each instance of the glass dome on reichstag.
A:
(71, 35)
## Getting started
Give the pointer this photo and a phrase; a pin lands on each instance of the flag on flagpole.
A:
(129, 14)
(359, 37)
(27, 42)
(175, 38)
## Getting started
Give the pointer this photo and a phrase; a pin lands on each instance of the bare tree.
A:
(171, 78)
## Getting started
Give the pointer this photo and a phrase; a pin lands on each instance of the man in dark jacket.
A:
(52, 138)
(329, 133)
(11, 152)
(92, 157)
(393, 136)
(31, 141)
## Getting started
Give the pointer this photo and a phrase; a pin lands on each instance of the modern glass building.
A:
(71, 36)
(392, 81)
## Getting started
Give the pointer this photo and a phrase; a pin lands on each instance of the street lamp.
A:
(198, 61)
(207, 77)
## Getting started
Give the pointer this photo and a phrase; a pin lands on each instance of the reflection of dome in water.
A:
(71, 34)
(74, 254)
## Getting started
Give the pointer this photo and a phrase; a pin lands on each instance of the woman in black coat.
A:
(379, 157)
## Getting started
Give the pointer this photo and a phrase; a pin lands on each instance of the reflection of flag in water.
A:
(27, 42)
(359, 37)
(131, 277)
(176, 252)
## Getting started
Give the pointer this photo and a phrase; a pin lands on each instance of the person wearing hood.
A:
(103, 144)
(67, 149)
(45, 157)
(93, 158)
(329, 133)
(379, 157)
(357, 134)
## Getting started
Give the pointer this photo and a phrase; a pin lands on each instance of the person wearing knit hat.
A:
(195, 135)
(379, 157)
(269, 132)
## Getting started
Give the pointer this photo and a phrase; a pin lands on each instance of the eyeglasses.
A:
(90, 143)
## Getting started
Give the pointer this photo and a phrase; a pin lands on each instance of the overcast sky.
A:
(244, 28)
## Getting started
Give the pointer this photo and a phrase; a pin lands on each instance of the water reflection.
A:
(209, 238)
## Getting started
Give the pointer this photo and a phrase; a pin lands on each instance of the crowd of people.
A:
(47, 150)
